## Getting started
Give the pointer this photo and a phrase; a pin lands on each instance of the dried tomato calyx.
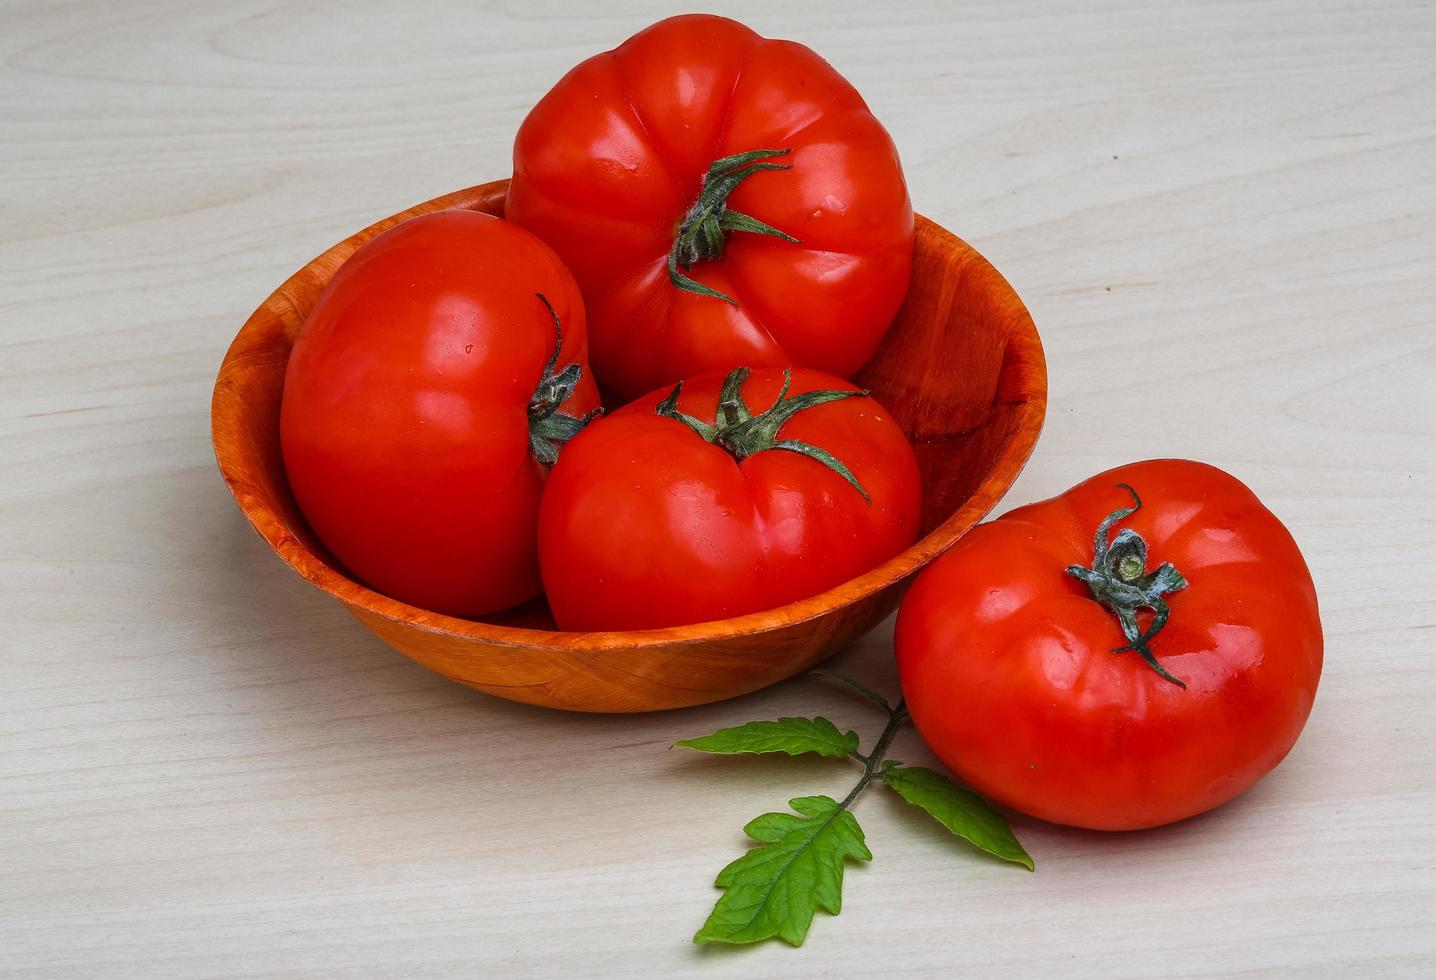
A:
(704, 228)
(549, 428)
(743, 434)
(1118, 579)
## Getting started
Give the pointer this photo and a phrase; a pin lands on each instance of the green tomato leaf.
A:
(958, 809)
(775, 889)
(791, 735)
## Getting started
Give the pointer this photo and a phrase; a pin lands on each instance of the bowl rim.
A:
(228, 407)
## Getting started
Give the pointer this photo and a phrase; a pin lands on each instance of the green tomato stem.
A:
(1119, 580)
(549, 428)
(744, 434)
(872, 762)
(703, 231)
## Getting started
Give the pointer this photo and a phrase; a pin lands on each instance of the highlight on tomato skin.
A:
(730, 493)
(427, 392)
(1032, 668)
(722, 198)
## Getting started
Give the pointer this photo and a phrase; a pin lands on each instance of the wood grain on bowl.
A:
(961, 370)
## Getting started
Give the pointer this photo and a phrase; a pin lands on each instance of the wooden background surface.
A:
(1223, 218)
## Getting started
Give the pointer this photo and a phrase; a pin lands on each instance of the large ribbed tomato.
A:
(730, 496)
(1046, 664)
(722, 199)
(428, 390)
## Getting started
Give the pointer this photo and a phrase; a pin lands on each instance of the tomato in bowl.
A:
(961, 370)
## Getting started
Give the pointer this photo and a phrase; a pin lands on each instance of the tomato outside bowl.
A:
(961, 370)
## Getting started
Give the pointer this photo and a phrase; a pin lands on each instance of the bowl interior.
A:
(961, 371)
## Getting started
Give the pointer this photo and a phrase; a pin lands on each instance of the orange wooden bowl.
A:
(961, 370)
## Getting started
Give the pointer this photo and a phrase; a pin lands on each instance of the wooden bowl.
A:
(961, 370)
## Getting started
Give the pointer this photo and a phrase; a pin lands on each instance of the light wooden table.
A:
(1223, 218)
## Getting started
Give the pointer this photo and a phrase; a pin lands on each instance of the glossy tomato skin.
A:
(609, 162)
(1006, 666)
(645, 525)
(404, 421)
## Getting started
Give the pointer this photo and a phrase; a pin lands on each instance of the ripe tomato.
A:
(425, 395)
(689, 508)
(722, 199)
(1075, 709)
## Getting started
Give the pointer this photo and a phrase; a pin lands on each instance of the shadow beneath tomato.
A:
(1214, 829)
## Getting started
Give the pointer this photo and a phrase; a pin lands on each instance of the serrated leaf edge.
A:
(837, 812)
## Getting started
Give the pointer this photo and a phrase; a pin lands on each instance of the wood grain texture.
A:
(961, 371)
(1222, 216)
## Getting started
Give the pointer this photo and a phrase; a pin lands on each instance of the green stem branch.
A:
(872, 762)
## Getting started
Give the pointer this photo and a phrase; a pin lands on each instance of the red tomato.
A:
(425, 393)
(673, 511)
(722, 199)
(1084, 712)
